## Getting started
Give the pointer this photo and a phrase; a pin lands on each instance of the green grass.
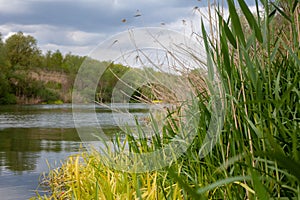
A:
(257, 154)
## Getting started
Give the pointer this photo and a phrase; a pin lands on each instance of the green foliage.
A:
(20, 57)
(263, 91)
(8, 99)
(4, 64)
(53, 85)
(22, 50)
(143, 94)
(25, 87)
(71, 63)
(5, 96)
(53, 61)
(108, 80)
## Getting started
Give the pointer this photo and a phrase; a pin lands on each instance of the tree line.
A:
(20, 58)
(29, 76)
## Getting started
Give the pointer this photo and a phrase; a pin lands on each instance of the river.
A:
(31, 135)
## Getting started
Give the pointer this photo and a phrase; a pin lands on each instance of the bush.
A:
(8, 99)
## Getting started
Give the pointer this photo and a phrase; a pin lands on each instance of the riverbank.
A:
(38, 86)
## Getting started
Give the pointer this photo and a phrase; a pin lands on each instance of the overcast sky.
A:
(77, 26)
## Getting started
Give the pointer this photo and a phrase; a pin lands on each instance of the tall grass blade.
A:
(251, 20)
(286, 162)
(223, 182)
(210, 66)
(236, 22)
(282, 13)
(186, 186)
(227, 31)
(260, 190)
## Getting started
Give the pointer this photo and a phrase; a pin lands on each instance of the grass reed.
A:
(257, 154)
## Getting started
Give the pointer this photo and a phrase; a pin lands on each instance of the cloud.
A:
(77, 25)
(46, 33)
(76, 50)
(93, 15)
(52, 37)
(74, 23)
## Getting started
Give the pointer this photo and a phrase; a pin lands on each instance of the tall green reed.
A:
(257, 154)
(260, 143)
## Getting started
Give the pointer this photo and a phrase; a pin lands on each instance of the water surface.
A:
(32, 135)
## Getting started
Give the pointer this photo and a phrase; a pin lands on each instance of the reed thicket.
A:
(257, 155)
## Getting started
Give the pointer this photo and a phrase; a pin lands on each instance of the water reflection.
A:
(19, 147)
(30, 135)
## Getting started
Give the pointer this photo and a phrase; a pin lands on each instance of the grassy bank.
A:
(257, 155)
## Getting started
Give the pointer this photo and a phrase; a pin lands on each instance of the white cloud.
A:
(79, 25)
(76, 50)
(80, 37)
(52, 37)
(192, 23)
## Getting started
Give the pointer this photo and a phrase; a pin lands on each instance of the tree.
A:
(56, 59)
(53, 61)
(5, 89)
(4, 64)
(72, 63)
(109, 79)
(47, 59)
(22, 50)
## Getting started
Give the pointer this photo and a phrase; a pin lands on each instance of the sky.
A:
(78, 26)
